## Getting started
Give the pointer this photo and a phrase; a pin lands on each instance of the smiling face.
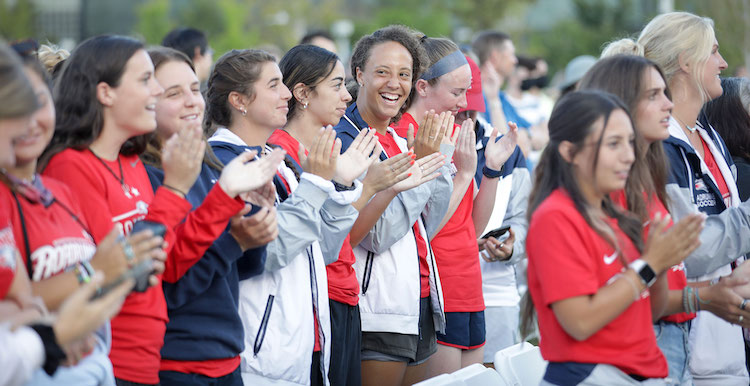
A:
(449, 93)
(711, 71)
(181, 105)
(329, 97)
(268, 107)
(613, 158)
(385, 81)
(29, 147)
(653, 108)
(132, 103)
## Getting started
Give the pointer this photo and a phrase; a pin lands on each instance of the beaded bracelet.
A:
(84, 272)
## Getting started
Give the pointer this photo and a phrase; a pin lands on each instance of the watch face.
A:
(647, 274)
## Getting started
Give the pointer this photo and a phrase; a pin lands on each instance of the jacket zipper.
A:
(368, 272)
(316, 314)
(263, 326)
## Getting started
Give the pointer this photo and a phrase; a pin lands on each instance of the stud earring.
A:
(304, 106)
(243, 112)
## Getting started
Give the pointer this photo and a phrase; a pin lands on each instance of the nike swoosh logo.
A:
(134, 163)
(610, 259)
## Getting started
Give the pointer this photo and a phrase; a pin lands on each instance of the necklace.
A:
(690, 129)
(125, 188)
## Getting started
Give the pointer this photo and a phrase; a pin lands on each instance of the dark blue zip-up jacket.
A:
(202, 304)
(726, 232)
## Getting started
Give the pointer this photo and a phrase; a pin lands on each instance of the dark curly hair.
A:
(393, 33)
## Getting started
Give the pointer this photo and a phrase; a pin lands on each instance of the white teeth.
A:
(151, 106)
(390, 97)
(190, 117)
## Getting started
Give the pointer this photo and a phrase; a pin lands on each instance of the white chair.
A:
(520, 365)
(441, 380)
(478, 375)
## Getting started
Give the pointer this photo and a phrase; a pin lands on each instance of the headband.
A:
(445, 65)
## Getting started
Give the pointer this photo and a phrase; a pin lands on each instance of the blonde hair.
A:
(672, 36)
(622, 47)
(50, 55)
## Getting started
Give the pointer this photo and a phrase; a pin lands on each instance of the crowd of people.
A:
(261, 220)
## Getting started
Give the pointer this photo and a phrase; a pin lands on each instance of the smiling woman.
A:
(105, 100)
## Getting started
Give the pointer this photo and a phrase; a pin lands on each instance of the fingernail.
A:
(412, 162)
(409, 175)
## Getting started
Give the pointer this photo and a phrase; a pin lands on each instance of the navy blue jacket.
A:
(202, 304)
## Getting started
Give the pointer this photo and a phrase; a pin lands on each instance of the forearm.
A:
(674, 304)
(364, 198)
(484, 203)
(369, 214)
(583, 316)
(497, 116)
(56, 289)
(461, 183)
(659, 297)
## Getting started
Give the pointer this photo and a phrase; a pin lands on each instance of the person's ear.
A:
(105, 94)
(301, 93)
(421, 87)
(197, 54)
(238, 101)
(684, 65)
(359, 76)
(566, 150)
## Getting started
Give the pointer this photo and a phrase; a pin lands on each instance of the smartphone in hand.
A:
(497, 232)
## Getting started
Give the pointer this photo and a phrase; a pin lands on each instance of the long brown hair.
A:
(623, 76)
(152, 154)
(573, 119)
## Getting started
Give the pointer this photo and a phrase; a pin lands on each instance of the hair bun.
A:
(625, 46)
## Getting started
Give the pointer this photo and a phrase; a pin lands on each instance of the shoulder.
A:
(555, 210)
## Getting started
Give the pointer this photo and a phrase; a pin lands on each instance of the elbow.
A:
(578, 330)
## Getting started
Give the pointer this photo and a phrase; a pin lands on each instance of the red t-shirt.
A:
(57, 241)
(343, 286)
(455, 248)
(676, 274)
(391, 149)
(138, 330)
(567, 258)
(716, 172)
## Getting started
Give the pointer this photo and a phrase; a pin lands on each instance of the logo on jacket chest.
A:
(703, 198)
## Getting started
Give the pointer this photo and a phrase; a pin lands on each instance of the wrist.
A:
(644, 271)
(224, 185)
(178, 190)
(491, 172)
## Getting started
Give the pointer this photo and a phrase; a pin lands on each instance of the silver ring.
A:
(742, 305)
(502, 245)
(431, 137)
(739, 320)
(127, 249)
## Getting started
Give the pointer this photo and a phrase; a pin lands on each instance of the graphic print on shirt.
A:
(125, 221)
(7, 249)
(703, 198)
(611, 258)
(49, 260)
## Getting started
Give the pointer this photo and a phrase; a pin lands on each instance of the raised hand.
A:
(665, 249)
(498, 151)
(382, 175)
(322, 158)
(256, 230)
(424, 170)
(363, 152)
(431, 133)
(241, 175)
(724, 300)
(182, 158)
(465, 156)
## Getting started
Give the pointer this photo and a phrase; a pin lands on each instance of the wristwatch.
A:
(644, 271)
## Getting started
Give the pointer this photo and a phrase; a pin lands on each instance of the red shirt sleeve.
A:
(199, 231)
(557, 244)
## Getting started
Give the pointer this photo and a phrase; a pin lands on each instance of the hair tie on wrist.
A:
(492, 173)
(170, 187)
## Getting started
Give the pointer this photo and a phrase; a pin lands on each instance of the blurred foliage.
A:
(17, 19)
(732, 26)
(595, 24)
(233, 24)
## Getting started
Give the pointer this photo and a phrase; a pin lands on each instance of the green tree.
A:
(17, 21)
